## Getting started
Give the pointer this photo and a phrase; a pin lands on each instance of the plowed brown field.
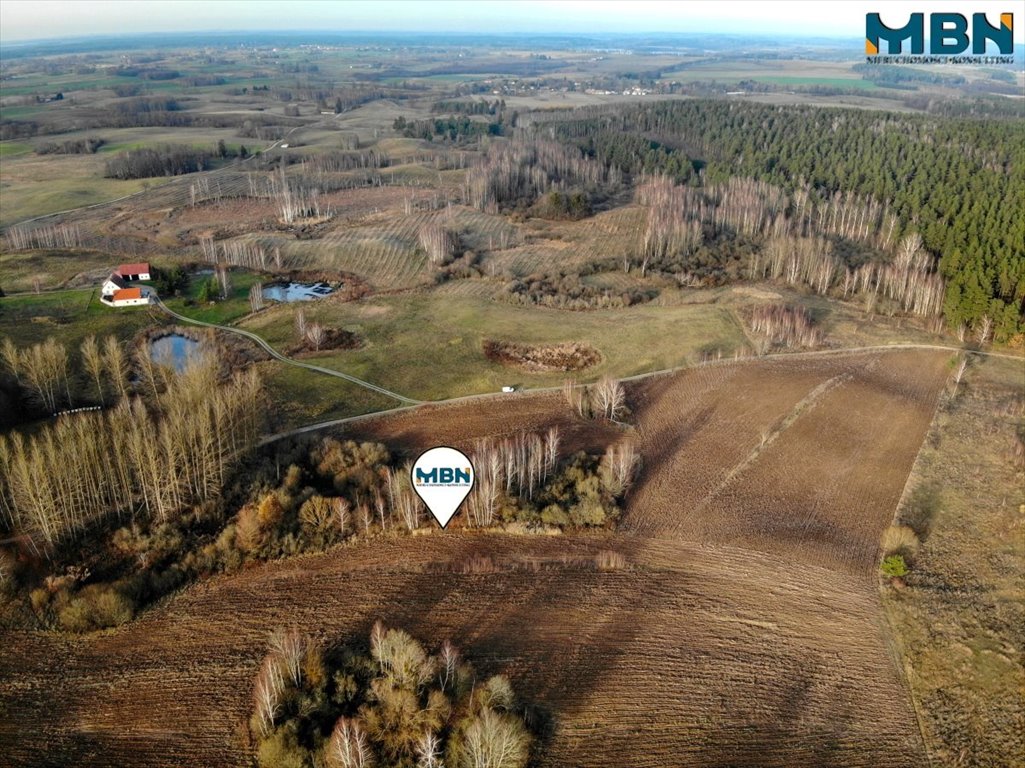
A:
(745, 629)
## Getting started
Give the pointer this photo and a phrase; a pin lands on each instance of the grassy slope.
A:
(958, 621)
(33, 185)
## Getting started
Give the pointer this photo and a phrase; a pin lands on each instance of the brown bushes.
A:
(900, 540)
(571, 356)
(477, 564)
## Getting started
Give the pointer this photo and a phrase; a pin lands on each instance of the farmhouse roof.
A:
(115, 278)
(133, 269)
(127, 293)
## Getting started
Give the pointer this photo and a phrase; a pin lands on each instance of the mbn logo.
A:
(948, 34)
(443, 475)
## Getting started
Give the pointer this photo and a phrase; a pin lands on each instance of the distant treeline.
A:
(267, 128)
(147, 74)
(884, 75)
(451, 128)
(146, 105)
(337, 161)
(170, 160)
(479, 107)
(86, 146)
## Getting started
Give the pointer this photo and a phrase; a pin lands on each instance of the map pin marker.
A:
(442, 477)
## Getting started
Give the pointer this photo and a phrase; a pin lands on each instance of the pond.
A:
(174, 350)
(297, 291)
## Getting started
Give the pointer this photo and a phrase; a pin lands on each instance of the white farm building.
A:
(127, 297)
(118, 291)
(112, 285)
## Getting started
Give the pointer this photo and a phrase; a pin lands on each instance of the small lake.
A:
(174, 350)
(297, 291)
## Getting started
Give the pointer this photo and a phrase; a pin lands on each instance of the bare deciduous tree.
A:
(618, 466)
(349, 746)
(44, 370)
(790, 326)
(224, 280)
(610, 399)
(438, 242)
(86, 466)
(315, 334)
(448, 657)
(959, 372)
(93, 362)
(551, 450)
(11, 357)
(495, 740)
(576, 397)
(984, 327)
(428, 751)
(256, 297)
(290, 646)
(270, 685)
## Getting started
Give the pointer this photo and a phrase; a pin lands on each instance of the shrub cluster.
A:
(71, 147)
(561, 290)
(392, 704)
(332, 492)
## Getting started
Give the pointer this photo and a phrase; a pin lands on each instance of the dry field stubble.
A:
(960, 619)
(720, 642)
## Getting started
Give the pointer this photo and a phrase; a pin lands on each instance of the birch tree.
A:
(92, 360)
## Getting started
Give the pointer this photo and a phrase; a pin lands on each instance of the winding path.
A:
(287, 360)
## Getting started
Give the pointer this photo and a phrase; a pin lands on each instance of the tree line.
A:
(169, 160)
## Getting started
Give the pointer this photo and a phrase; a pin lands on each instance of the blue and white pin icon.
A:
(442, 477)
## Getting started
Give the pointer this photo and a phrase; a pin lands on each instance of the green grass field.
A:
(298, 397)
(70, 316)
(56, 268)
(430, 347)
(34, 185)
(13, 148)
(222, 312)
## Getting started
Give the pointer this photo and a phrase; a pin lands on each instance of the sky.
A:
(37, 19)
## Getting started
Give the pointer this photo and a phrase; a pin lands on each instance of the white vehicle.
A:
(508, 389)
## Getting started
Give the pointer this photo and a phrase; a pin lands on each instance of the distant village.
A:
(118, 289)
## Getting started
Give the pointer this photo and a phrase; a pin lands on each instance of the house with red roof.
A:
(127, 297)
(133, 272)
(117, 290)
